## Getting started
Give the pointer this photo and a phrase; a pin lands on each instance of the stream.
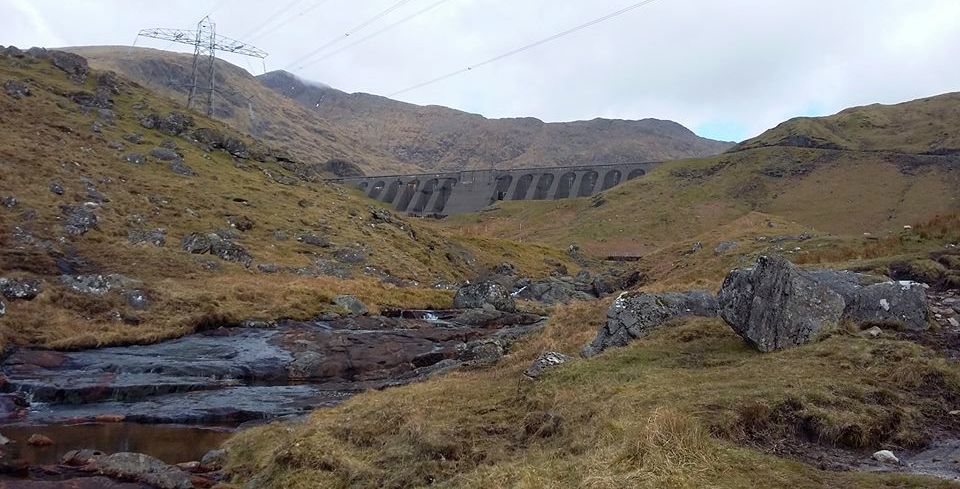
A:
(177, 399)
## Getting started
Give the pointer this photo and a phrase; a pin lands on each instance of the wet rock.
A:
(776, 305)
(78, 220)
(180, 168)
(56, 188)
(174, 123)
(164, 154)
(551, 291)
(211, 243)
(97, 284)
(544, 362)
(635, 315)
(902, 304)
(4, 440)
(156, 237)
(214, 459)
(350, 255)
(39, 440)
(24, 289)
(886, 457)
(16, 89)
(724, 247)
(351, 304)
(492, 318)
(143, 468)
(74, 65)
(10, 202)
(80, 458)
(13, 405)
(484, 295)
(241, 223)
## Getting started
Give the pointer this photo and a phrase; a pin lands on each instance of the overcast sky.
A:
(726, 69)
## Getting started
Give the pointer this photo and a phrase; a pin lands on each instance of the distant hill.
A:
(439, 138)
(868, 169)
(926, 126)
(317, 123)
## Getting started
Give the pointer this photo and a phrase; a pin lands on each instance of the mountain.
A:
(870, 169)
(439, 138)
(383, 136)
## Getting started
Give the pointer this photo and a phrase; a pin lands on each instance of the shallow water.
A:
(170, 443)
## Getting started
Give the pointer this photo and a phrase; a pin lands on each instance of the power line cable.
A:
(524, 48)
(281, 24)
(373, 34)
(347, 34)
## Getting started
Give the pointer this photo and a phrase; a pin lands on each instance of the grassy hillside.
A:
(828, 191)
(926, 126)
(54, 138)
(439, 138)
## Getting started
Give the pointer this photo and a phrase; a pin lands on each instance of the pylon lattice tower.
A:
(206, 42)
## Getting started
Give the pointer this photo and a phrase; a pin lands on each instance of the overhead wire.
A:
(374, 34)
(525, 47)
(270, 19)
(349, 33)
(285, 22)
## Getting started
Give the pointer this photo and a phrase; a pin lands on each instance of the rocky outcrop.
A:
(155, 237)
(73, 64)
(546, 361)
(351, 304)
(484, 295)
(174, 123)
(97, 284)
(775, 305)
(552, 290)
(24, 289)
(78, 219)
(16, 89)
(635, 315)
(211, 243)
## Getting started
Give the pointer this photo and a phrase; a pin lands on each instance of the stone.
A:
(481, 353)
(96, 127)
(180, 168)
(97, 284)
(164, 154)
(10, 202)
(268, 267)
(886, 457)
(902, 304)
(635, 315)
(350, 255)
(3, 309)
(873, 332)
(211, 243)
(117, 145)
(156, 237)
(38, 440)
(168, 143)
(953, 322)
(483, 295)
(381, 214)
(214, 459)
(241, 223)
(74, 65)
(143, 468)
(135, 158)
(24, 289)
(80, 458)
(16, 89)
(610, 282)
(137, 299)
(776, 305)
(505, 268)
(56, 188)
(724, 247)
(4, 440)
(351, 304)
(551, 291)
(280, 235)
(546, 361)
(173, 124)
(134, 137)
(79, 219)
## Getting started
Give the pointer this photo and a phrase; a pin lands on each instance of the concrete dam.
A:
(442, 194)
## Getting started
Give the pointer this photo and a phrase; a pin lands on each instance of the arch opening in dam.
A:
(447, 193)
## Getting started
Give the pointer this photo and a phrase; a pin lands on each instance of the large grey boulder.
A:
(73, 64)
(634, 315)
(776, 305)
(484, 295)
(902, 304)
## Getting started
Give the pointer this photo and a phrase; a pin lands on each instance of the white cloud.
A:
(729, 69)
